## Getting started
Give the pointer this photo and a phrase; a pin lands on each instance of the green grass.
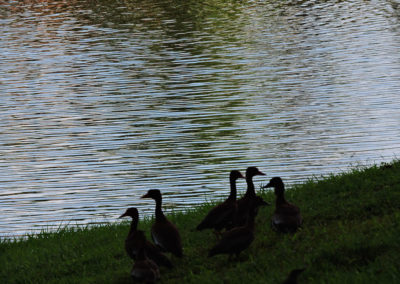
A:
(351, 234)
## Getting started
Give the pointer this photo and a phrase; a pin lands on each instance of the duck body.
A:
(165, 234)
(220, 217)
(144, 269)
(133, 242)
(286, 217)
(157, 256)
(233, 241)
(223, 215)
(239, 238)
(249, 199)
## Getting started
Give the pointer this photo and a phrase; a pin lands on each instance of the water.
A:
(103, 100)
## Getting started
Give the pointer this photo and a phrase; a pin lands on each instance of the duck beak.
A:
(261, 173)
(268, 185)
(145, 196)
(123, 215)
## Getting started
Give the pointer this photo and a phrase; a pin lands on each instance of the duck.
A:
(244, 203)
(144, 269)
(293, 276)
(222, 216)
(286, 217)
(165, 234)
(133, 242)
(234, 241)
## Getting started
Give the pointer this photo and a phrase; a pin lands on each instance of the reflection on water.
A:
(103, 100)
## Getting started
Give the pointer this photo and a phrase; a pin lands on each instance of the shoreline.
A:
(350, 234)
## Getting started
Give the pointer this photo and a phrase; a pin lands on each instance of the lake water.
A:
(103, 100)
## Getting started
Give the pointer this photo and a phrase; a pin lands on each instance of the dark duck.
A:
(144, 269)
(164, 233)
(293, 276)
(287, 217)
(249, 199)
(133, 242)
(222, 216)
(238, 239)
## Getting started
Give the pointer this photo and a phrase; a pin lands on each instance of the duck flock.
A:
(233, 222)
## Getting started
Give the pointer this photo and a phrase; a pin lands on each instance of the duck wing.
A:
(157, 256)
(287, 209)
(287, 218)
(166, 236)
(219, 217)
(233, 241)
(133, 244)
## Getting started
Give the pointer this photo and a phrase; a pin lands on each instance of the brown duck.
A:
(246, 202)
(144, 269)
(133, 242)
(164, 234)
(287, 217)
(238, 239)
(222, 216)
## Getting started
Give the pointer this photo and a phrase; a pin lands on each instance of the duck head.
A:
(235, 174)
(153, 193)
(277, 184)
(131, 212)
(253, 171)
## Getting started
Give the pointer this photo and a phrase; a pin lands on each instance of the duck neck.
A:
(133, 227)
(251, 221)
(142, 253)
(159, 214)
(280, 196)
(232, 195)
(250, 186)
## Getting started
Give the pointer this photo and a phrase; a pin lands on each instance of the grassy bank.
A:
(351, 234)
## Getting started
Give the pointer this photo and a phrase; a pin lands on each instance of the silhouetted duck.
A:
(164, 234)
(133, 242)
(239, 238)
(222, 216)
(286, 218)
(144, 269)
(293, 276)
(245, 203)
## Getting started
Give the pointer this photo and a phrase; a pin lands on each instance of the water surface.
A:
(103, 100)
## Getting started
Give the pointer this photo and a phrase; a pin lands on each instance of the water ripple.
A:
(103, 100)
